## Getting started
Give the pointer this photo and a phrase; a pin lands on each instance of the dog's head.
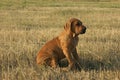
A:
(75, 26)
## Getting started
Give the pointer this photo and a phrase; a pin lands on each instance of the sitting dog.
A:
(63, 46)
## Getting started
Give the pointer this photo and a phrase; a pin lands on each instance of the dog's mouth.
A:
(83, 31)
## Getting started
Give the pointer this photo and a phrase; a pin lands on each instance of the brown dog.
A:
(63, 46)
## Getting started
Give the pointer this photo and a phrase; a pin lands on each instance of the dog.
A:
(63, 46)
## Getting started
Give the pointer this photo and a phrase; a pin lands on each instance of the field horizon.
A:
(26, 25)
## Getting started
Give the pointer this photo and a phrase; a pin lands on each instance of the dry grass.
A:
(26, 25)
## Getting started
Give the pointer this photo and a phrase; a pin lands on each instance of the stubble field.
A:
(26, 25)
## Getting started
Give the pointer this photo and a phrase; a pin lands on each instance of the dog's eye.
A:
(79, 24)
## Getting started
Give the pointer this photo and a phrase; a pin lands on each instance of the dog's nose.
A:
(84, 29)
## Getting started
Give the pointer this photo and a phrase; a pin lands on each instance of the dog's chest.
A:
(74, 42)
(69, 42)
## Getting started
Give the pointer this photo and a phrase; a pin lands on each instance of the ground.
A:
(26, 25)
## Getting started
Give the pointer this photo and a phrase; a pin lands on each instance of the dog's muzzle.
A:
(83, 30)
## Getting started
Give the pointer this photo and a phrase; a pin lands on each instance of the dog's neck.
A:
(64, 36)
(70, 34)
(75, 35)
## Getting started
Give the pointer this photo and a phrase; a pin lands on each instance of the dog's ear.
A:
(67, 26)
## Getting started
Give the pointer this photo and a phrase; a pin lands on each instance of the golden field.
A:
(26, 25)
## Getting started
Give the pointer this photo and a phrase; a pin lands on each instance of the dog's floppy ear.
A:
(67, 26)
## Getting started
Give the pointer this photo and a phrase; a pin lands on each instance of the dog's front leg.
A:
(70, 59)
(76, 57)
